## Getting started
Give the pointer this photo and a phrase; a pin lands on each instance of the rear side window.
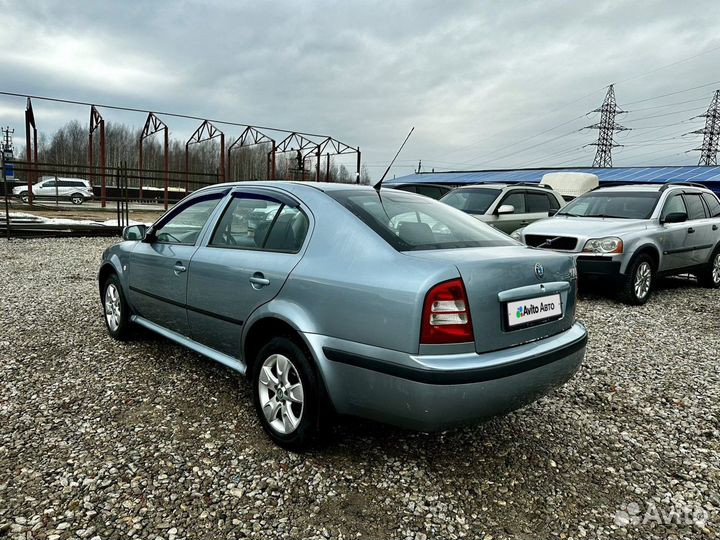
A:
(696, 209)
(712, 204)
(257, 222)
(537, 202)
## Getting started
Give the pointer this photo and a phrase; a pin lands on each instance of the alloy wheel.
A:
(281, 394)
(112, 307)
(716, 269)
(643, 279)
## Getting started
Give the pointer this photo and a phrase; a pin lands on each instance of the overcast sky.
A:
(486, 84)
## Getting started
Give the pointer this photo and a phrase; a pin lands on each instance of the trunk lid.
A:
(497, 276)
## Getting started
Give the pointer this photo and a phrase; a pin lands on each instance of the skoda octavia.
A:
(344, 299)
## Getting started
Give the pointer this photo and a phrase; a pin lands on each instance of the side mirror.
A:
(675, 217)
(134, 232)
(506, 209)
(552, 212)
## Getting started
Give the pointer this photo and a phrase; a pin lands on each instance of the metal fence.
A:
(117, 192)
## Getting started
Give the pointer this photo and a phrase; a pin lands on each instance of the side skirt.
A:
(229, 361)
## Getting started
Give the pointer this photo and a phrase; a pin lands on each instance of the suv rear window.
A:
(412, 222)
(473, 200)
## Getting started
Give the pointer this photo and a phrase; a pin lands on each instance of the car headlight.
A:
(611, 244)
(517, 234)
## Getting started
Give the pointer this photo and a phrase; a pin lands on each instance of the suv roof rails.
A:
(532, 184)
(668, 185)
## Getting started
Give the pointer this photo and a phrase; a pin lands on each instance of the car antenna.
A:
(379, 184)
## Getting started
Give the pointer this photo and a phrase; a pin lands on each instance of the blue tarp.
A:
(709, 176)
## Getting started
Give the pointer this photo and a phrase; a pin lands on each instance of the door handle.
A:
(258, 280)
(691, 230)
(179, 268)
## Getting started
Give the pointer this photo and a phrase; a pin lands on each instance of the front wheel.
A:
(710, 275)
(117, 314)
(77, 198)
(24, 196)
(637, 283)
(286, 393)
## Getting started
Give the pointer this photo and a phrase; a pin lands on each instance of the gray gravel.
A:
(100, 439)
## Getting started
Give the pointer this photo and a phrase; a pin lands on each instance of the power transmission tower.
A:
(711, 133)
(607, 128)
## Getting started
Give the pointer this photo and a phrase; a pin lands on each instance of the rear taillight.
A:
(446, 315)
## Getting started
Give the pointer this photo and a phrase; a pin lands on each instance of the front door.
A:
(510, 222)
(254, 247)
(675, 239)
(701, 226)
(158, 266)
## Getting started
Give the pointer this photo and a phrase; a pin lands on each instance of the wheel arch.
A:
(646, 249)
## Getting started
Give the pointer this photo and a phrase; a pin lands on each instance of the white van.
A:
(571, 184)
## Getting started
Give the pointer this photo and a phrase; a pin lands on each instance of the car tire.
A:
(77, 198)
(710, 275)
(287, 394)
(638, 281)
(23, 196)
(116, 310)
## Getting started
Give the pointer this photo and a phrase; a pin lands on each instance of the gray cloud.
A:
(479, 80)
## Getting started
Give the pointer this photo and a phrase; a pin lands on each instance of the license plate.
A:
(534, 310)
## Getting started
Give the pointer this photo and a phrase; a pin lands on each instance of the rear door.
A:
(538, 205)
(243, 265)
(158, 266)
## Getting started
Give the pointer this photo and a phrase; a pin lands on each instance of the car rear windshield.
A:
(411, 222)
(472, 201)
(619, 204)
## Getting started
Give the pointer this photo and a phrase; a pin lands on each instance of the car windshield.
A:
(411, 222)
(619, 204)
(472, 200)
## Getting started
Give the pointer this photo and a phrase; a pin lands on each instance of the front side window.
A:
(516, 200)
(674, 205)
(696, 209)
(619, 204)
(184, 227)
(410, 222)
(257, 222)
(712, 204)
(473, 200)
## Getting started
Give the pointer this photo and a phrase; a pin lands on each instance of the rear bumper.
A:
(436, 392)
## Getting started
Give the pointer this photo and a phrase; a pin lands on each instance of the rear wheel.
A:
(77, 198)
(117, 314)
(286, 393)
(638, 281)
(710, 275)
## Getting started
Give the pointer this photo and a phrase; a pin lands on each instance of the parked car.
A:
(381, 304)
(76, 190)
(633, 234)
(506, 206)
(434, 191)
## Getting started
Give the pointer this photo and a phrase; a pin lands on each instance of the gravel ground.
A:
(147, 440)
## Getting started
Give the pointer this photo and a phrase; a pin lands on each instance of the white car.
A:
(76, 190)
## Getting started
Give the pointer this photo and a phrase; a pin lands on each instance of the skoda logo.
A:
(539, 270)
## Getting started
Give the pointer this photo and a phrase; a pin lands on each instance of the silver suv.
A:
(506, 207)
(635, 233)
(76, 190)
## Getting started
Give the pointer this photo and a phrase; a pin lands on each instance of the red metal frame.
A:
(336, 148)
(153, 124)
(30, 151)
(97, 122)
(295, 142)
(254, 137)
(205, 132)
